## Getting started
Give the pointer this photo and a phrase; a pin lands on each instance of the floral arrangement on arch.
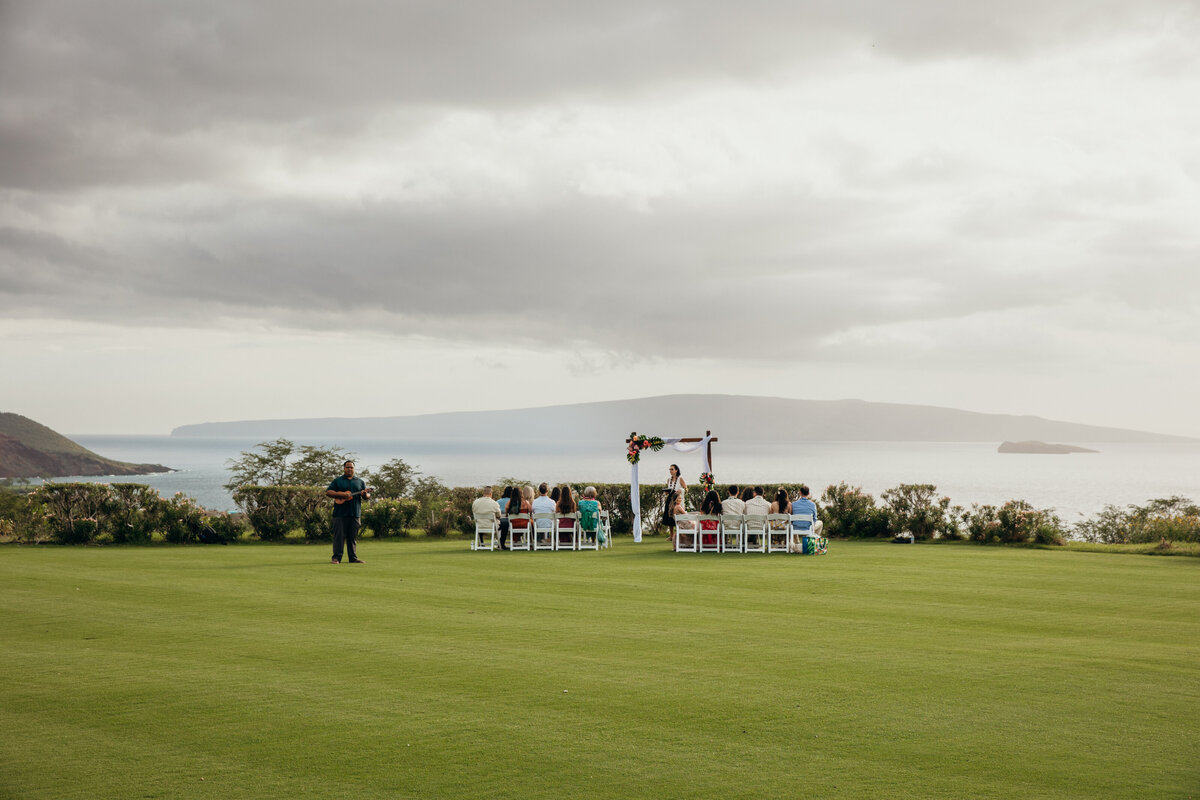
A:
(707, 481)
(639, 443)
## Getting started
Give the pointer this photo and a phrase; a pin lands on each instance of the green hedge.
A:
(1172, 519)
(275, 511)
(390, 518)
(86, 513)
(83, 513)
(1015, 522)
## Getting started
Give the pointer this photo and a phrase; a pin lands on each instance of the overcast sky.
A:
(227, 210)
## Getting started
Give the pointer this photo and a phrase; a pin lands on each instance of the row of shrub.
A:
(1169, 519)
(82, 513)
(76, 513)
(850, 513)
(273, 512)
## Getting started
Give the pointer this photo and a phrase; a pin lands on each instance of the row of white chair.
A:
(544, 532)
(737, 533)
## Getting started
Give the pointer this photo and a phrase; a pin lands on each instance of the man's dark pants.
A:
(345, 531)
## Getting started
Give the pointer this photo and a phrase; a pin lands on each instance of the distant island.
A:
(1042, 448)
(733, 418)
(29, 449)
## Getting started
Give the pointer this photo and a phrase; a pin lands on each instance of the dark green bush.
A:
(1173, 519)
(133, 512)
(228, 527)
(1022, 523)
(275, 511)
(1175, 528)
(916, 508)
(388, 518)
(73, 510)
(982, 523)
(181, 519)
(1015, 522)
(850, 513)
(22, 517)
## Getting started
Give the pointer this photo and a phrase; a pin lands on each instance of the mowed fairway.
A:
(875, 671)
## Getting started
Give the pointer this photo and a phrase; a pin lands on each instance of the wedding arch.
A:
(635, 444)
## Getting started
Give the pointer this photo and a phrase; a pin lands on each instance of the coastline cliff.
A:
(29, 449)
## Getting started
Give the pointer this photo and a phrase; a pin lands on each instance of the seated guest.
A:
(485, 505)
(503, 502)
(542, 504)
(803, 505)
(781, 505)
(757, 505)
(555, 493)
(733, 504)
(685, 529)
(589, 513)
(565, 505)
(711, 505)
(521, 502)
(747, 494)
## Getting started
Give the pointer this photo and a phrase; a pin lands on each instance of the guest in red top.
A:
(711, 505)
(521, 502)
(566, 505)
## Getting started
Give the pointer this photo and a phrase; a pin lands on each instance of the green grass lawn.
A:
(875, 671)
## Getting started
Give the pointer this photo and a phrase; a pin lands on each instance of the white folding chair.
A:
(755, 536)
(606, 527)
(571, 533)
(732, 535)
(543, 531)
(686, 526)
(796, 535)
(485, 526)
(526, 532)
(710, 540)
(778, 526)
(588, 538)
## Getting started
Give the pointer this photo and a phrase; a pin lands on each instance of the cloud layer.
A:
(934, 184)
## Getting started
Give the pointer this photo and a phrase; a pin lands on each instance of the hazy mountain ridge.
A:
(29, 449)
(731, 417)
(1041, 448)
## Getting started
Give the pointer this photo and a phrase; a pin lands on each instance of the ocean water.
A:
(1076, 485)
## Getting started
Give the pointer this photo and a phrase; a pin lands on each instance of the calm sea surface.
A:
(1075, 485)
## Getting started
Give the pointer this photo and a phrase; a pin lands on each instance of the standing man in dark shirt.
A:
(347, 492)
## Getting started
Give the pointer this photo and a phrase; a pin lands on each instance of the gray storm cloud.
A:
(306, 163)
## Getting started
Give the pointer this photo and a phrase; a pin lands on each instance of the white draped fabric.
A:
(679, 446)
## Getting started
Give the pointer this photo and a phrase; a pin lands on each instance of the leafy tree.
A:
(282, 463)
(266, 468)
(317, 466)
(438, 513)
(395, 479)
